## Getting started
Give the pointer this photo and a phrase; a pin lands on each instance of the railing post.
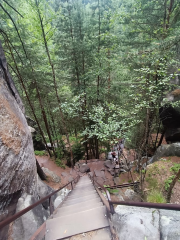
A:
(51, 208)
(111, 207)
(71, 185)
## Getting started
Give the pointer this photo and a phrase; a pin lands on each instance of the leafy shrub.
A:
(111, 191)
(59, 153)
(175, 168)
(60, 163)
(168, 182)
(155, 196)
(40, 153)
(78, 151)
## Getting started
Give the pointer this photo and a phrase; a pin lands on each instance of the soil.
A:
(161, 171)
(47, 162)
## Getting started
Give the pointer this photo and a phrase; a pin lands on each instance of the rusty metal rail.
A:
(165, 206)
(19, 214)
(124, 185)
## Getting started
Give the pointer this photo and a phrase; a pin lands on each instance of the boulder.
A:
(169, 224)
(64, 174)
(131, 195)
(99, 174)
(166, 150)
(111, 171)
(84, 168)
(108, 164)
(145, 223)
(38, 144)
(136, 223)
(26, 225)
(54, 177)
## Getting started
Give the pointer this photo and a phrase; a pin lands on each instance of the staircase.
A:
(81, 212)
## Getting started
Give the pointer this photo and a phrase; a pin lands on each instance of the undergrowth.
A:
(40, 153)
(155, 196)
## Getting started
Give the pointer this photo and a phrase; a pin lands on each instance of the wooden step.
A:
(94, 193)
(70, 225)
(80, 208)
(89, 202)
(78, 200)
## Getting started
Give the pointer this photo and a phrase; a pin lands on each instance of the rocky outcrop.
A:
(24, 227)
(136, 223)
(166, 151)
(139, 223)
(37, 141)
(54, 177)
(17, 160)
(84, 168)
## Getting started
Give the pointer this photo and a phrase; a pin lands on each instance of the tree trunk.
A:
(171, 186)
(55, 83)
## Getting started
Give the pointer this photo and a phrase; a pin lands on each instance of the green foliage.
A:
(40, 153)
(111, 191)
(155, 196)
(78, 151)
(175, 168)
(59, 163)
(168, 182)
(59, 153)
(153, 183)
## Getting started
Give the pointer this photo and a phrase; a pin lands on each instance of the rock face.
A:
(24, 227)
(166, 151)
(139, 223)
(54, 177)
(170, 119)
(38, 144)
(17, 160)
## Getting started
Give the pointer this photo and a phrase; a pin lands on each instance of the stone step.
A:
(79, 195)
(69, 210)
(78, 200)
(84, 187)
(66, 226)
(93, 201)
(79, 192)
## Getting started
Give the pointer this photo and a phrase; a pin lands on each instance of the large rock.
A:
(166, 151)
(84, 168)
(136, 223)
(25, 226)
(109, 164)
(140, 223)
(169, 225)
(17, 160)
(55, 178)
(37, 142)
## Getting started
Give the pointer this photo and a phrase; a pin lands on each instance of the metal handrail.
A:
(123, 185)
(19, 214)
(136, 204)
(107, 194)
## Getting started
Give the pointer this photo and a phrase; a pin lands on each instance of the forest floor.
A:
(159, 173)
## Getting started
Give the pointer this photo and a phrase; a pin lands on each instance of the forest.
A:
(90, 72)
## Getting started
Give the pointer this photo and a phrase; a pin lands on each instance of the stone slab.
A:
(136, 223)
(67, 226)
